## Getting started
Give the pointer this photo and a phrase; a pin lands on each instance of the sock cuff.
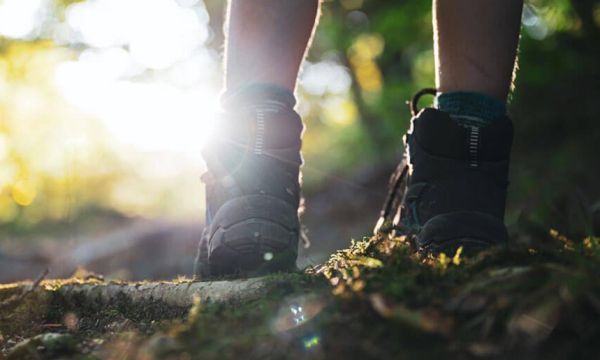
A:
(256, 94)
(471, 106)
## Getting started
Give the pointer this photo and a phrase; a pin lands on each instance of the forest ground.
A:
(378, 299)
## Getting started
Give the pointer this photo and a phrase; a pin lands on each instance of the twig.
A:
(17, 298)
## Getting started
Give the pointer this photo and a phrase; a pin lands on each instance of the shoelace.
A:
(393, 201)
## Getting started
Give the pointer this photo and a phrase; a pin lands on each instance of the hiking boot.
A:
(252, 191)
(450, 187)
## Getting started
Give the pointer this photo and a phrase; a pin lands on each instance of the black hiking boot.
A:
(252, 191)
(450, 188)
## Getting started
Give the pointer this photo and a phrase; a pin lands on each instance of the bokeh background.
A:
(105, 104)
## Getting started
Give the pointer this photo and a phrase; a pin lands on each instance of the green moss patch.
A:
(376, 299)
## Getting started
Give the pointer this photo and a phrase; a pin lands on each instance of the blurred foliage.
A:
(554, 105)
(386, 47)
(43, 169)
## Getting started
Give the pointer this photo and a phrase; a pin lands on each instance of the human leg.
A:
(476, 45)
(450, 189)
(267, 41)
(253, 161)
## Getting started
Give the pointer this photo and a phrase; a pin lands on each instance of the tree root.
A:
(178, 294)
(38, 302)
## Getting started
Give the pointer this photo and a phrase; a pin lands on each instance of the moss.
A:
(25, 316)
(258, 328)
(377, 299)
(497, 304)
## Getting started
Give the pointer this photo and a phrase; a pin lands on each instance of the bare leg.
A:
(476, 45)
(252, 184)
(267, 40)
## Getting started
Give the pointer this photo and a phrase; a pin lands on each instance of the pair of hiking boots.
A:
(448, 191)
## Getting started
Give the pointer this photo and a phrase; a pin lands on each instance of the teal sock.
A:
(470, 108)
